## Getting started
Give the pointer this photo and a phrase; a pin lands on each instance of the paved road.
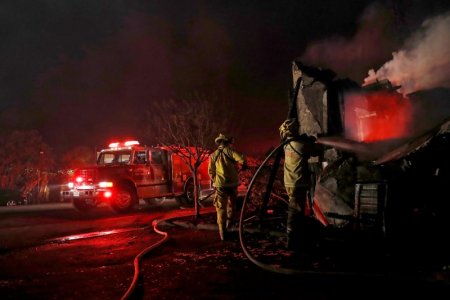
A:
(35, 207)
(61, 206)
(56, 252)
(194, 264)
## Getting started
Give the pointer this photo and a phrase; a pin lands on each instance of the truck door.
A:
(159, 163)
(180, 173)
(142, 174)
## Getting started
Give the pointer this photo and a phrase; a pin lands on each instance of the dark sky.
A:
(82, 72)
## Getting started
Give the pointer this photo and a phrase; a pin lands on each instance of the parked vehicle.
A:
(9, 197)
(126, 172)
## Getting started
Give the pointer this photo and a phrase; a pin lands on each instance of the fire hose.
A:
(299, 271)
(277, 152)
(137, 260)
(275, 269)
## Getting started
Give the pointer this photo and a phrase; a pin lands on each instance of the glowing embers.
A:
(376, 116)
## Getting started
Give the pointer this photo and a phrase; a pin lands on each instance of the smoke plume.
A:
(424, 61)
(372, 44)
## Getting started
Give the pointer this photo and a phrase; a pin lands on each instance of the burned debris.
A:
(361, 127)
(382, 172)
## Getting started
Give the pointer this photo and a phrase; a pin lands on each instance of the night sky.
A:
(83, 72)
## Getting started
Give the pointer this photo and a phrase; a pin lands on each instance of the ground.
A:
(192, 264)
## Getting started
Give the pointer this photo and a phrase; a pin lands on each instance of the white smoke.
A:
(424, 61)
(351, 57)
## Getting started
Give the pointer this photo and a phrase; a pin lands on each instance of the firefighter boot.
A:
(293, 230)
(293, 240)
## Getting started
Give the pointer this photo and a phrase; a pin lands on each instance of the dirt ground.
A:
(192, 264)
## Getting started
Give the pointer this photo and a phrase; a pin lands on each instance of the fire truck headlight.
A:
(105, 184)
(70, 185)
(107, 194)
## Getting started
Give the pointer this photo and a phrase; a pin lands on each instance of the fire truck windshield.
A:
(114, 157)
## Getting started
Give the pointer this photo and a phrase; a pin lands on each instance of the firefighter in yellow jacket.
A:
(297, 179)
(223, 170)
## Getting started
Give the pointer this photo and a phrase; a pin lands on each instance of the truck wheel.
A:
(124, 200)
(81, 205)
(188, 197)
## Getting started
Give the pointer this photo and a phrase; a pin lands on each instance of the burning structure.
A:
(384, 165)
(382, 170)
(381, 165)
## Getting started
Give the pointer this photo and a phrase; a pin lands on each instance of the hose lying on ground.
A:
(289, 271)
(293, 271)
(138, 258)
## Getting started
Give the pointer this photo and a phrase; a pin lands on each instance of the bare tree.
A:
(187, 126)
(78, 157)
(26, 162)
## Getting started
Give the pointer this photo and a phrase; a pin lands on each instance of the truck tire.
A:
(81, 205)
(188, 197)
(125, 199)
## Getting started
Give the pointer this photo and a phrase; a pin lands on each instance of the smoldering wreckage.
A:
(382, 174)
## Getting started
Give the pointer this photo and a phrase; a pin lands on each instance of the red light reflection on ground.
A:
(377, 116)
(92, 234)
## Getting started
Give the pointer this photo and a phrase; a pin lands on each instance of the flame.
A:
(377, 116)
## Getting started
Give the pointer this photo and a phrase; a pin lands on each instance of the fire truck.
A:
(126, 172)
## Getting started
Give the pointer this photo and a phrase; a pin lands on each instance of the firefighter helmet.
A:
(223, 138)
(289, 128)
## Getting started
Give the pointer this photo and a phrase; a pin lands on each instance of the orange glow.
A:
(376, 116)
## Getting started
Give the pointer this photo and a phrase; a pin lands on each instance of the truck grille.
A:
(87, 175)
(80, 193)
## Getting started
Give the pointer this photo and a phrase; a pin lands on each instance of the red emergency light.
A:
(125, 144)
(131, 143)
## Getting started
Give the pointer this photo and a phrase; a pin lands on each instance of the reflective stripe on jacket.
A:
(296, 172)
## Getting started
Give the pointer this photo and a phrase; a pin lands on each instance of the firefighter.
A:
(223, 170)
(297, 180)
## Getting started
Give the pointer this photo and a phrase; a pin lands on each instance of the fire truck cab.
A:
(127, 172)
